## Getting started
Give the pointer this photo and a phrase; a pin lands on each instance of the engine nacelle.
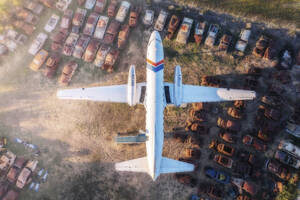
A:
(131, 87)
(177, 86)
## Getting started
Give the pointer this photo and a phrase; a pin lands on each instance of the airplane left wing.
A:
(115, 93)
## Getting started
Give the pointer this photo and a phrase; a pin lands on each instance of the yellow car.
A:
(39, 60)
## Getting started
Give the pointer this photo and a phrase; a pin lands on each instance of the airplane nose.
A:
(155, 35)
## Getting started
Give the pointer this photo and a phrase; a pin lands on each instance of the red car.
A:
(58, 41)
(278, 169)
(223, 161)
(228, 137)
(67, 73)
(81, 45)
(186, 179)
(225, 42)
(111, 10)
(255, 143)
(100, 6)
(90, 25)
(52, 65)
(133, 16)
(66, 21)
(91, 50)
(111, 32)
(211, 190)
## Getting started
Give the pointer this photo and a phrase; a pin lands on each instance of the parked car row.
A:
(52, 63)
(18, 171)
(10, 40)
(93, 45)
(208, 33)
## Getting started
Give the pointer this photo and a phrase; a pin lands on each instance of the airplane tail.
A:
(167, 166)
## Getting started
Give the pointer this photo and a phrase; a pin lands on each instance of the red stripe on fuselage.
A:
(155, 64)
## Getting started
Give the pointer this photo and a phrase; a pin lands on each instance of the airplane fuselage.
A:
(155, 104)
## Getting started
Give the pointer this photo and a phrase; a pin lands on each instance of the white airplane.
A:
(155, 95)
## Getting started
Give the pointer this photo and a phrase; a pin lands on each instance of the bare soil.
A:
(76, 138)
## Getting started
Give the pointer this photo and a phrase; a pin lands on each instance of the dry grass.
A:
(284, 11)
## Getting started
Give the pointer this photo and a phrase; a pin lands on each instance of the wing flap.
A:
(135, 165)
(172, 166)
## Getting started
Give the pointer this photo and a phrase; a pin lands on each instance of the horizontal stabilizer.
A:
(140, 138)
(172, 166)
(135, 165)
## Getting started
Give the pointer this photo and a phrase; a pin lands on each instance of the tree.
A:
(289, 192)
(7, 7)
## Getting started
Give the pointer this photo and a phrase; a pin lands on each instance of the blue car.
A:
(218, 176)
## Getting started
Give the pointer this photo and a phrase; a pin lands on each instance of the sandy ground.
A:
(76, 137)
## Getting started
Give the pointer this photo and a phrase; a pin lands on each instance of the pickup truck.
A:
(184, 31)
(212, 34)
(199, 32)
(161, 20)
(241, 44)
(123, 11)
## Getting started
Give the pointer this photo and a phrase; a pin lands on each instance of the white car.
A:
(101, 27)
(38, 43)
(51, 24)
(244, 38)
(161, 21)
(123, 11)
(11, 45)
(62, 5)
(149, 16)
(89, 4)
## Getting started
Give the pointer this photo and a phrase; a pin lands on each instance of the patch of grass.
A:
(289, 193)
(268, 9)
(195, 61)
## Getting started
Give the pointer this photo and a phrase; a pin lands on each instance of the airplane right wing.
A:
(191, 94)
(194, 94)
(177, 93)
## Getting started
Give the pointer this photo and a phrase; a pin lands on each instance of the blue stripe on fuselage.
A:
(155, 69)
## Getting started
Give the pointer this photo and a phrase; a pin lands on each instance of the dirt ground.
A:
(76, 138)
